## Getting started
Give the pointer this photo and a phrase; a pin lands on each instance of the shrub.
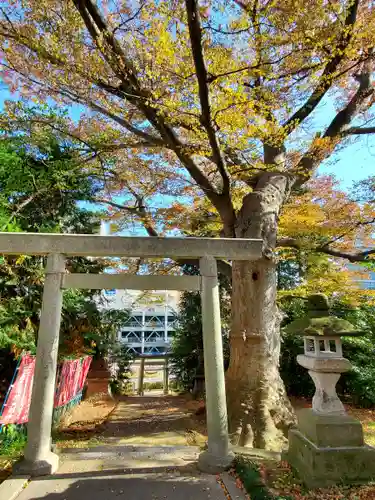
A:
(121, 388)
(13, 439)
(297, 380)
(249, 473)
(120, 362)
(186, 360)
(149, 386)
(174, 385)
(359, 383)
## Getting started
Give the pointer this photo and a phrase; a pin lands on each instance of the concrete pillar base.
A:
(45, 467)
(321, 467)
(213, 464)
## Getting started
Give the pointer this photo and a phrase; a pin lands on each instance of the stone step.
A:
(257, 454)
(111, 449)
(129, 457)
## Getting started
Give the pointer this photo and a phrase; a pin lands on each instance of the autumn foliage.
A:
(212, 104)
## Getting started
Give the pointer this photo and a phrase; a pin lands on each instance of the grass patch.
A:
(13, 448)
(369, 433)
(13, 440)
(149, 386)
(273, 480)
(62, 442)
(251, 475)
(81, 438)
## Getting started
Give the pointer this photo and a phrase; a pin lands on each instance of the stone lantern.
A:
(327, 447)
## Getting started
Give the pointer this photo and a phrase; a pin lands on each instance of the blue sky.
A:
(354, 163)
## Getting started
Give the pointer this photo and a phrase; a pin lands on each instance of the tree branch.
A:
(344, 117)
(195, 31)
(157, 141)
(360, 130)
(21, 206)
(337, 128)
(132, 91)
(54, 59)
(331, 67)
(349, 229)
(139, 212)
(223, 267)
(97, 28)
(351, 257)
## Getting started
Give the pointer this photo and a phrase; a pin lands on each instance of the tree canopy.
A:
(233, 105)
(200, 97)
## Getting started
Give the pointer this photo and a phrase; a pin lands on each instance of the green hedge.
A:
(149, 386)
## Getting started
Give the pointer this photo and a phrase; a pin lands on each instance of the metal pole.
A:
(141, 377)
(143, 332)
(166, 377)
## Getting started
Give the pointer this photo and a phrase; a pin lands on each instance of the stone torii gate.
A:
(38, 457)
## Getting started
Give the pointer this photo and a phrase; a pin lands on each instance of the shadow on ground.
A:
(140, 488)
(155, 483)
(153, 420)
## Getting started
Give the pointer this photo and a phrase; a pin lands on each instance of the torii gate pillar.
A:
(217, 457)
(39, 459)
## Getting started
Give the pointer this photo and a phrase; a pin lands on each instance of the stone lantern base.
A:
(329, 449)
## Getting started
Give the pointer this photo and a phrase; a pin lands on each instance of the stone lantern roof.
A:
(318, 321)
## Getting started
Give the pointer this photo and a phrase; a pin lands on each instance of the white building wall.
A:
(151, 326)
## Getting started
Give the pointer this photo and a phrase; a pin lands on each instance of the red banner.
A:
(86, 362)
(16, 408)
(70, 383)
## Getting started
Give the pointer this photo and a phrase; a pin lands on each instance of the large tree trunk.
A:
(258, 408)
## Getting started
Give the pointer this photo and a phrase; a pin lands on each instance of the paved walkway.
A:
(143, 470)
(128, 472)
(155, 420)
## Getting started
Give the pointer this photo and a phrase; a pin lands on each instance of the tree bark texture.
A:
(258, 408)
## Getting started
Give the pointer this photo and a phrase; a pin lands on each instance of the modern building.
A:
(152, 322)
(151, 325)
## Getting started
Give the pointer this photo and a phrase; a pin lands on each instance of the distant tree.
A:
(187, 346)
(42, 188)
(187, 362)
